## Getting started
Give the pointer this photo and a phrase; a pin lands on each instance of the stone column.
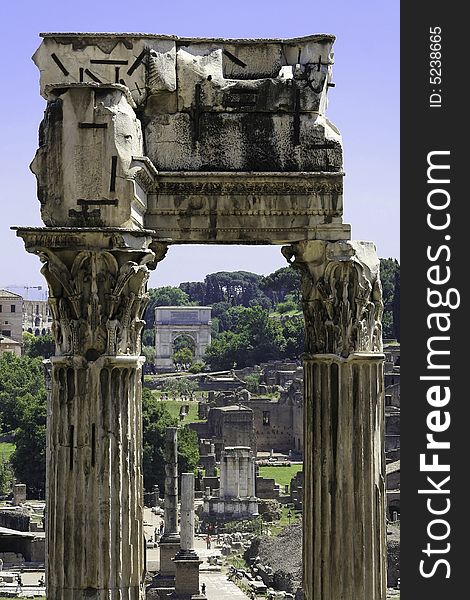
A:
(187, 512)
(344, 535)
(170, 541)
(97, 280)
(187, 561)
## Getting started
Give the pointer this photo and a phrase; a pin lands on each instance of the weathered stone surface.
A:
(86, 166)
(104, 58)
(341, 296)
(187, 511)
(94, 516)
(173, 321)
(247, 207)
(344, 536)
(251, 108)
(97, 295)
(236, 499)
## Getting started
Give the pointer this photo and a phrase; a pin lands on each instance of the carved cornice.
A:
(341, 296)
(146, 173)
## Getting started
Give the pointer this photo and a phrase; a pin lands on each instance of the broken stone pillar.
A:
(170, 541)
(187, 561)
(344, 535)
(19, 494)
(155, 496)
(97, 295)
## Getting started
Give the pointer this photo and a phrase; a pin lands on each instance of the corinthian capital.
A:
(341, 295)
(97, 287)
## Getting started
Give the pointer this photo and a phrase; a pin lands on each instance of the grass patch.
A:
(284, 521)
(173, 407)
(281, 475)
(6, 450)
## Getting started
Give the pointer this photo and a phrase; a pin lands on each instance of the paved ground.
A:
(217, 585)
(30, 583)
(219, 588)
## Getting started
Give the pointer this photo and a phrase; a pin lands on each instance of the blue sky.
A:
(364, 105)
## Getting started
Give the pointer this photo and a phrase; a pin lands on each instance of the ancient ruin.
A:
(236, 498)
(171, 322)
(149, 141)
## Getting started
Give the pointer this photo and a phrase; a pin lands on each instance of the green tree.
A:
(253, 337)
(184, 342)
(237, 288)
(280, 283)
(389, 275)
(288, 304)
(156, 419)
(29, 458)
(227, 351)
(19, 375)
(293, 331)
(163, 296)
(41, 345)
(183, 357)
(179, 386)
(148, 337)
(6, 476)
(149, 353)
(188, 450)
(27, 341)
(252, 381)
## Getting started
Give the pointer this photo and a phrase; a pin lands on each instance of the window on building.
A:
(6, 332)
(266, 417)
(1, 308)
(13, 308)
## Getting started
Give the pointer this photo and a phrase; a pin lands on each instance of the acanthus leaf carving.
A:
(97, 299)
(341, 296)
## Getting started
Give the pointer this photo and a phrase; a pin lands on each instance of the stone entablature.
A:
(208, 140)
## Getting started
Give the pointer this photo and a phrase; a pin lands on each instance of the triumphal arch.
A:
(172, 322)
(149, 141)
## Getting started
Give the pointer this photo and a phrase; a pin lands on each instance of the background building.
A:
(11, 315)
(37, 318)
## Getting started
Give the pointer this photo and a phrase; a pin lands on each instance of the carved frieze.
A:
(235, 187)
(341, 296)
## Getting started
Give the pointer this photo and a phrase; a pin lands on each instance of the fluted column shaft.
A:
(95, 485)
(344, 534)
(344, 525)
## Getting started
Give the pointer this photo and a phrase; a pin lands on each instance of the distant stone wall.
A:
(15, 519)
